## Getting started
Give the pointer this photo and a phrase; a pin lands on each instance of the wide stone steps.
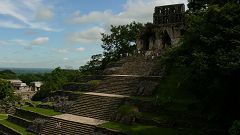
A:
(57, 126)
(119, 91)
(94, 106)
(113, 82)
(120, 85)
(130, 65)
(19, 121)
(118, 78)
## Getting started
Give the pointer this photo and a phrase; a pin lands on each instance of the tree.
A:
(122, 39)
(55, 81)
(28, 78)
(93, 66)
(211, 49)
(6, 89)
(200, 4)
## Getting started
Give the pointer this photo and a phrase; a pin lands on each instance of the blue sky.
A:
(65, 33)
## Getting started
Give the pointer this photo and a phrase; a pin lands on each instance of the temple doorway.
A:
(166, 40)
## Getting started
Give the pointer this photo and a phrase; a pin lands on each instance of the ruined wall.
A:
(169, 14)
(168, 26)
(26, 95)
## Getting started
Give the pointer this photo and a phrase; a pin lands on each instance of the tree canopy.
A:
(6, 89)
(7, 74)
(120, 40)
(54, 81)
(199, 4)
(93, 66)
(211, 51)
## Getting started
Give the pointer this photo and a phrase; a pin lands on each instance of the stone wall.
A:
(29, 115)
(164, 35)
(169, 14)
(167, 28)
(74, 86)
(19, 121)
(26, 95)
(71, 96)
(8, 131)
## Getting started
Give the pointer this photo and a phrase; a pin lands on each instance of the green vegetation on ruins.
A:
(43, 111)
(3, 116)
(22, 130)
(15, 127)
(138, 129)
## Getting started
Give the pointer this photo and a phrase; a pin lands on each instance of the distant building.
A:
(22, 89)
(35, 86)
(18, 85)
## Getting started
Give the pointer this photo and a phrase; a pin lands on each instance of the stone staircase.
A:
(104, 101)
(56, 126)
(19, 121)
(118, 85)
(94, 106)
(131, 66)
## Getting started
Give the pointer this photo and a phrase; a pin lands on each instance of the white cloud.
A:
(91, 35)
(66, 59)
(10, 24)
(62, 50)
(81, 49)
(40, 41)
(25, 12)
(25, 43)
(134, 10)
(94, 16)
(14, 42)
(44, 14)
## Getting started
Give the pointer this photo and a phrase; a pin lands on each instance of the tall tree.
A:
(211, 49)
(200, 4)
(52, 82)
(120, 40)
(93, 66)
(6, 89)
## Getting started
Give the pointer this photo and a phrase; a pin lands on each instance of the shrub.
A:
(235, 129)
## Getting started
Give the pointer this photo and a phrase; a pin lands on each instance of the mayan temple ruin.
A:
(132, 76)
(167, 28)
(128, 84)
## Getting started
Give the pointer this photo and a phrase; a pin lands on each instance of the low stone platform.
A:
(106, 95)
(137, 76)
(80, 119)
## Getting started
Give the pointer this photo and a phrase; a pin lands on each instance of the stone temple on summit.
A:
(167, 28)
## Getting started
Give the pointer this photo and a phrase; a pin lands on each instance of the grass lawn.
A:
(148, 130)
(15, 127)
(3, 116)
(43, 111)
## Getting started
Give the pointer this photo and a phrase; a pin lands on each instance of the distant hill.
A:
(28, 70)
